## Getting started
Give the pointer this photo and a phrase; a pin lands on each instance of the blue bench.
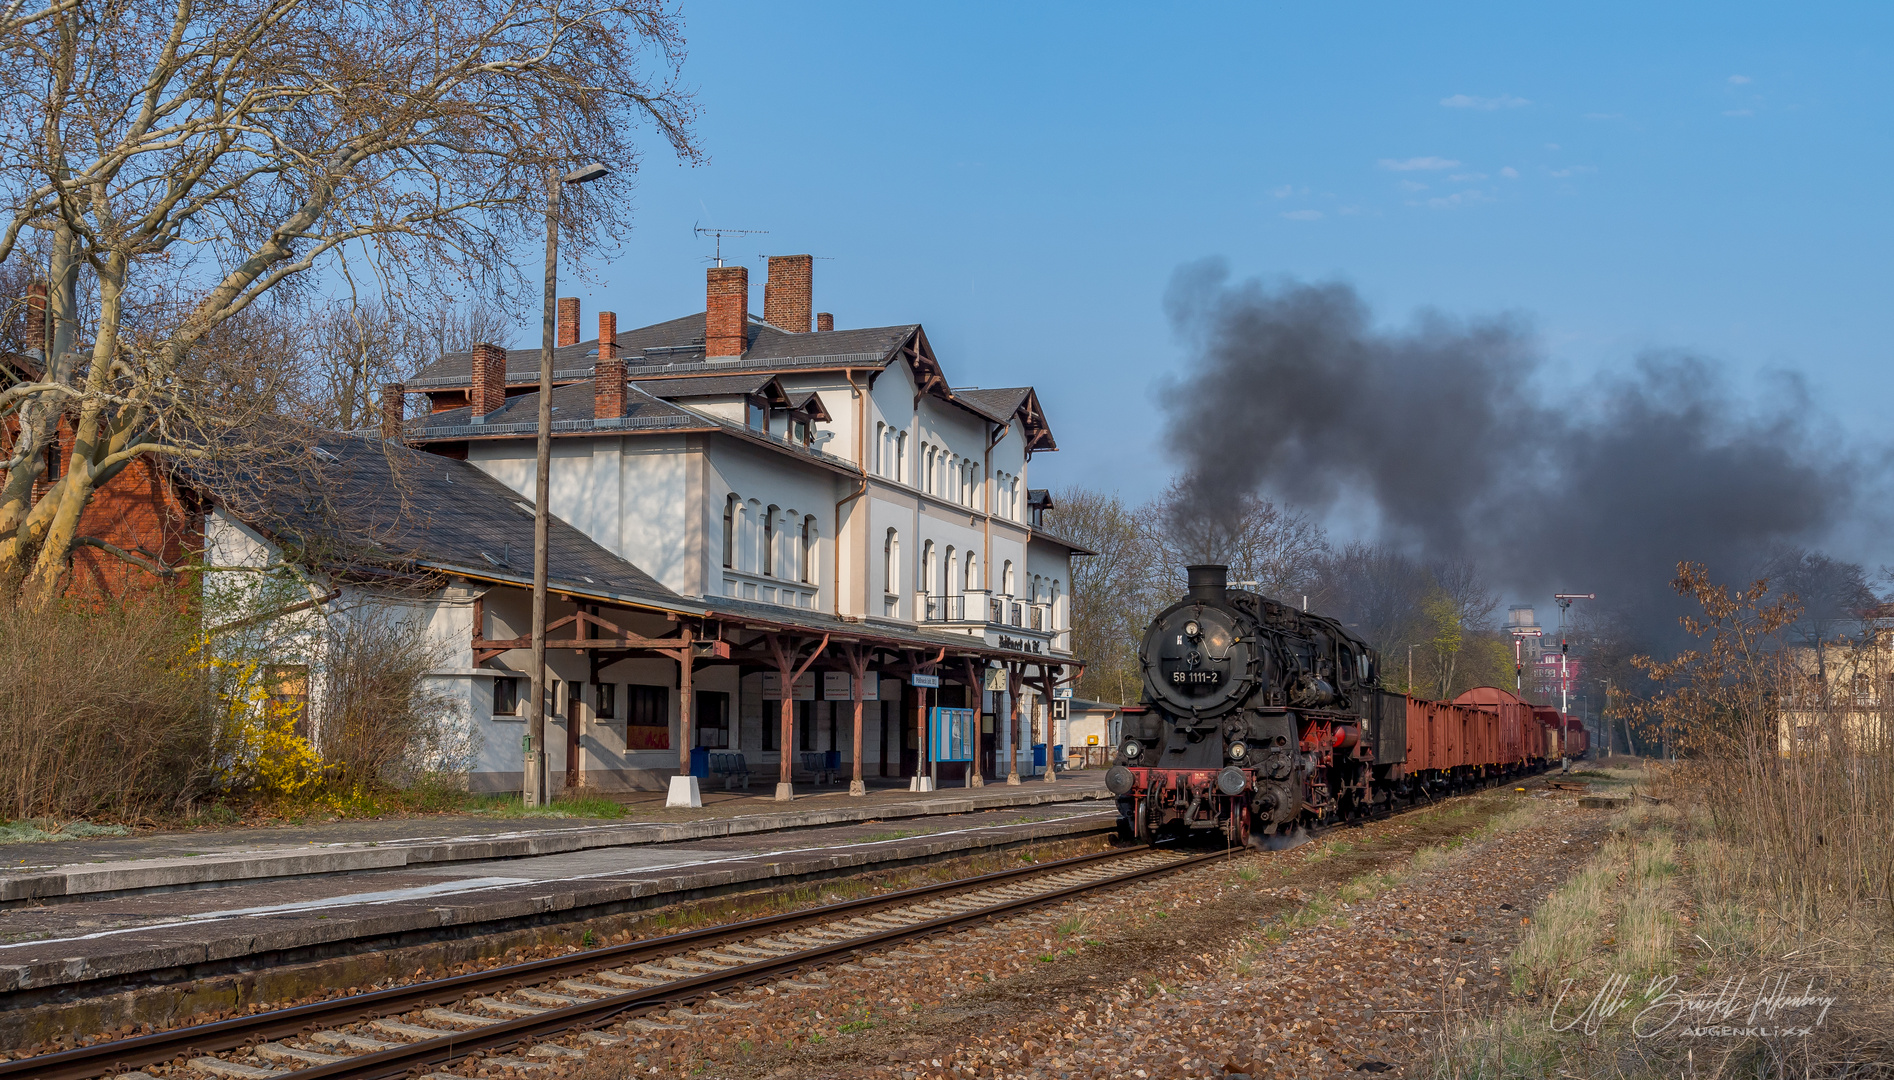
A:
(733, 768)
(824, 765)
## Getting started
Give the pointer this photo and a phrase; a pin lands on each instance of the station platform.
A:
(179, 949)
(39, 874)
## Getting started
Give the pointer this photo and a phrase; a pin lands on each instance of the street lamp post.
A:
(536, 793)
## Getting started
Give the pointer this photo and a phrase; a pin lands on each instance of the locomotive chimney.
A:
(1207, 582)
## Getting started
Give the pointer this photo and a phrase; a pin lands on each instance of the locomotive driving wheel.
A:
(1242, 830)
(1141, 820)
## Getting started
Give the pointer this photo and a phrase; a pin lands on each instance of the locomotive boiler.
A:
(1260, 719)
(1253, 721)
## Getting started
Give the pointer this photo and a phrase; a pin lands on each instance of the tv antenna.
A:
(719, 234)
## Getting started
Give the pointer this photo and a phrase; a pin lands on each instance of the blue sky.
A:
(1024, 179)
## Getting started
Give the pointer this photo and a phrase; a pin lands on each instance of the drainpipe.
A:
(986, 557)
(861, 462)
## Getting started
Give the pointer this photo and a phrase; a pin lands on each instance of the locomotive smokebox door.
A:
(1197, 662)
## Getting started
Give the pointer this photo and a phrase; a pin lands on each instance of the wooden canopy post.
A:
(1015, 681)
(856, 656)
(1045, 682)
(975, 686)
(923, 763)
(791, 671)
(684, 788)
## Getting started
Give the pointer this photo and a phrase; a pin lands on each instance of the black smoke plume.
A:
(1445, 434)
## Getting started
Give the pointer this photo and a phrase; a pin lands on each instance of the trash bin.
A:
(700, 762)
(1038, 758)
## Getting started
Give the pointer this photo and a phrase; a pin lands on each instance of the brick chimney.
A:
(608, 375)
(36, 314)
(568, 321)
(489, 380)
(824, 321)
(394, 408)
(787, 293)
(726, 310)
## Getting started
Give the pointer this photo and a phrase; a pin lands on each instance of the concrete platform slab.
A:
(156, 938)
(123, 866)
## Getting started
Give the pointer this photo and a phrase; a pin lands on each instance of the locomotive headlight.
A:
(1132, 749)
(1192, 630)
(1237, 750)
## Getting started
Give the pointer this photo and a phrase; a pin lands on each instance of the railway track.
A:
(598, 994)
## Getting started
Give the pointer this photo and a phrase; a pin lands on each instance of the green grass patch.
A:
(565, 806)
(45, 830)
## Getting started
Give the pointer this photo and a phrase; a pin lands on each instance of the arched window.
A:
(901, 457)
(973, 572)
(730, 531)
(1055, 603)
(809, 538)
(891, 563)
(751, 529)
(947, 562)
(1006, 577)
(769, 541)
(927, 567)
(927, 477)
(881, 432)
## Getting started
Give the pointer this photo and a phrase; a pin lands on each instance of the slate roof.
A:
(713, 386)
(356, 503)
(572, 414)
(676, 347)
(998, 405)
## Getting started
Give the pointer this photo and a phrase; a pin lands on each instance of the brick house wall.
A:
(142, 510)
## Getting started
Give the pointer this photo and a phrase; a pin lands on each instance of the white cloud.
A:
(1304, 215)
(1738, 112)
(1552, 146)
(1412, 185)
(1738, 80)
(1414, 163)
(1509, 173)
(1485, 104)
(1348, 211)
(1284, 191)
(1573, 171)
(1467, 177)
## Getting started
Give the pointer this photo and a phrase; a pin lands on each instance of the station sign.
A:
(804, 690)
(1062, 693)
(928, 681)
(836, 687)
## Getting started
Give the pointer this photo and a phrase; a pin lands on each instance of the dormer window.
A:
(757, 415)
(801, 430)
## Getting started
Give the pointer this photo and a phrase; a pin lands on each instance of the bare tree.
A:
(1111, 590)
(353, 347)
(190, 160)
(1278, 547)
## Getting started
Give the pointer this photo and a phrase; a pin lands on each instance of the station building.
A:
(740, 504)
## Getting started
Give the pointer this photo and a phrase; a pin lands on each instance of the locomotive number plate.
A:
(1196, 678)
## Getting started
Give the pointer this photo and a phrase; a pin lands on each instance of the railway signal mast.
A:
(1519, 660)
(1565, 604)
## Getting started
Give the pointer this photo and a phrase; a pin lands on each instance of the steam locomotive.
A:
(1261, 719)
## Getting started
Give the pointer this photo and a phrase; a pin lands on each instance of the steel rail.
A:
(121, 1055)
(403, 1060)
